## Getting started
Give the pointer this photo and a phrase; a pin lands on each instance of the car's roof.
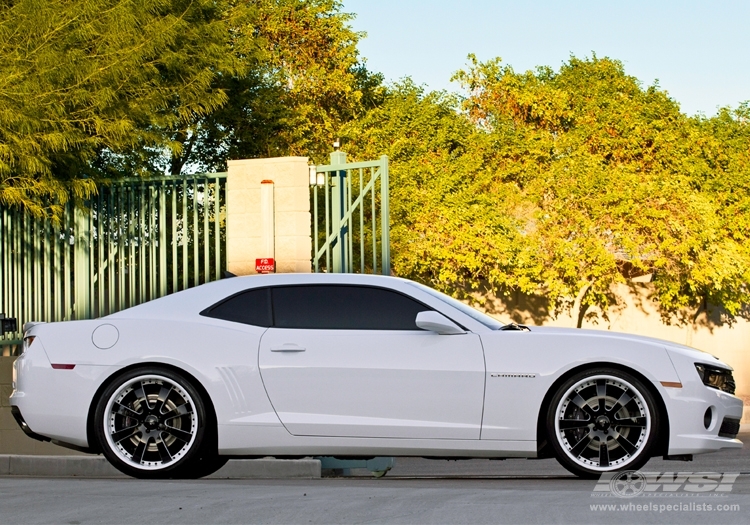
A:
(193, 300)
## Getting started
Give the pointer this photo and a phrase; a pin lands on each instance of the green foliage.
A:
(83, 78)
(301, 82)
(452, 223)
(612, 179)
(93, 90)
(563, 183)
(313, 69)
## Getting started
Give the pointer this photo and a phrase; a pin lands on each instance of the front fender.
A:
(523, 366)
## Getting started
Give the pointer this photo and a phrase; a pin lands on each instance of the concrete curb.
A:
(59, 466)
(98, 467)
(269, 469)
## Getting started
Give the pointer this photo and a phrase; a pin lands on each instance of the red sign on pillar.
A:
(265, 265)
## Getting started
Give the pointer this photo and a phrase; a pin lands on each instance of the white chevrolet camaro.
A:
(357, 366)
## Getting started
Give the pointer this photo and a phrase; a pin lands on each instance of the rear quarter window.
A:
(249, 307)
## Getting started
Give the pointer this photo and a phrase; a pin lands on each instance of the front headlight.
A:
(715, 377)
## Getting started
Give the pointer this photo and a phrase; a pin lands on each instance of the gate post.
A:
(385, 216)
(338, 181)
(82, 263)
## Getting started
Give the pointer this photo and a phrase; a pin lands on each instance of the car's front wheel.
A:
(601, 421)
(151, 423)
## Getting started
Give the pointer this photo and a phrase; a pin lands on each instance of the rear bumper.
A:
(24, 426)
(53, 404)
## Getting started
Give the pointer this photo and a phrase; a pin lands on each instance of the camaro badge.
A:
(530, 376)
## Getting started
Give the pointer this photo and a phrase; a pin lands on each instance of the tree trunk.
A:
(179, 161)
(579, 309)
(691, 328)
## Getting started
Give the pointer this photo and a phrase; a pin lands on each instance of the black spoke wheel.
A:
(151, 423)
(600, 421)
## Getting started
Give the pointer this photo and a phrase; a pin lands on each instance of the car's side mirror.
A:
(437, 322)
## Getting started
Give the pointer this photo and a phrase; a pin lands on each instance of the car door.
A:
(343, 360)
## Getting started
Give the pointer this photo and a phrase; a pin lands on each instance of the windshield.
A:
(486, 320)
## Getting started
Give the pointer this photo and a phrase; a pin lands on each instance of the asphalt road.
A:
(415, 491)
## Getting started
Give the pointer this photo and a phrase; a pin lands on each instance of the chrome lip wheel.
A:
(150, 422)
(602, 423)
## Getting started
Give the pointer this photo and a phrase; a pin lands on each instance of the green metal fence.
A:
(351, 219)
(135, 241)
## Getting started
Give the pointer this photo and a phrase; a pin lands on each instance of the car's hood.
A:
(692, 353)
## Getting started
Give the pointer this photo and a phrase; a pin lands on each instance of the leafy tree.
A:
(722, 173)
(610, 169)
(98, 89)
(302, 81)
(452, 223)
(563, 183)
(80, 78)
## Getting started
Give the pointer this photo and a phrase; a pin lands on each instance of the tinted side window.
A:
(335, 307)
(250, 307)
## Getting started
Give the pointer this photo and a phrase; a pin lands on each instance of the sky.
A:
(699, 51)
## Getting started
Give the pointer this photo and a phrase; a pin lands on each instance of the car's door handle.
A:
(287, 347)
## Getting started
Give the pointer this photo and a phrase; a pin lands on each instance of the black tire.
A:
(602, 420)
(152, 423)
(206, 466)
(210, 461)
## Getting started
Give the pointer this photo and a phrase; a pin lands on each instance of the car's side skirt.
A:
(237, 440)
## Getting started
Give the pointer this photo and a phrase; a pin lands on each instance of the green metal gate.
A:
(136, 241)
(351, 221)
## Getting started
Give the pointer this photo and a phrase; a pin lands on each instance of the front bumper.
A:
(687, 407)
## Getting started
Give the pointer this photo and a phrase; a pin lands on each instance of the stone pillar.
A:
(285, 180)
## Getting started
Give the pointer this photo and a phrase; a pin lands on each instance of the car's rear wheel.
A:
(152, 423)
(602, 420)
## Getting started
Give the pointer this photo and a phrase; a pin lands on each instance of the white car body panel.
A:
(268, 441)
(369, 383)
(524, 365)
(419, 393)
